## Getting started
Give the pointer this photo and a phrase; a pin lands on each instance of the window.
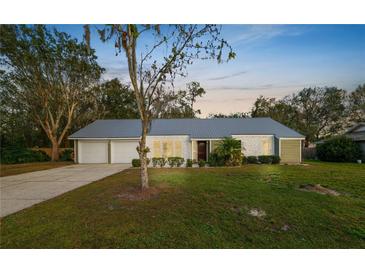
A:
(266, 147)
(167, 148)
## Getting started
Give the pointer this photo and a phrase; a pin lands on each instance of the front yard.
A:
(202, 208)
(15, 169)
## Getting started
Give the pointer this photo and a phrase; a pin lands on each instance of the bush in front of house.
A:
(179, 161)
(171, 161)
(156, 161)
(269, 159)
(66, 155)
(229, 149)
(275, 159)
(159, 161)
(244, 160)
(339, 149)
(252, 160)
(18, 155)
(201, 163)
(189, 163)
(136, 163)
(175, 161)
(265, 159)
(215, 160)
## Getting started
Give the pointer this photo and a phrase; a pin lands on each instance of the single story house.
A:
(115, 141)
(357, 134)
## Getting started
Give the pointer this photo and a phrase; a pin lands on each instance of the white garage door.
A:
(93, 152)
(124, 151)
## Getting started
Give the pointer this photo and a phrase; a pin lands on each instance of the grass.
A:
(202, 208)
(14, 169)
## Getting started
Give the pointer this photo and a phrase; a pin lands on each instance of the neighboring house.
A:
(357, 133)
(115, 141)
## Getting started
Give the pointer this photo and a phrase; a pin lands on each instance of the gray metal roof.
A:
(195, 128)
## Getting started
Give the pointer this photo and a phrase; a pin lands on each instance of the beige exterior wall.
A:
(290, 150)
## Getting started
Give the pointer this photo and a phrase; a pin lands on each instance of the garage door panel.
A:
(91, 152)
(123, 151)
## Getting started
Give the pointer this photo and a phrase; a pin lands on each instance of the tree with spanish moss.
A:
(155, 62)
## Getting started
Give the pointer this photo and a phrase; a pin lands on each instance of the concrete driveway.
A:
(24, 190)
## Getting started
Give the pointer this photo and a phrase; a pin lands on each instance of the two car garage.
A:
(106, 151)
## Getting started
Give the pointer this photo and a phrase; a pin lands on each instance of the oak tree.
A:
(51, 76)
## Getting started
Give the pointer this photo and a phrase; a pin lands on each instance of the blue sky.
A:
(272, 60)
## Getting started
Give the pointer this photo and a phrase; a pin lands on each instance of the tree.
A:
(280, 110)
(51, 76)
(152, 74)
(117, 100)
(194, 90)
(357, 105)
(17, 129)
(321, 111)
(315, 112)
(181, 104)
(231, 115)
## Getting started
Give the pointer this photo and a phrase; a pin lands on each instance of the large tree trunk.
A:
(55, 155)
(143, 156)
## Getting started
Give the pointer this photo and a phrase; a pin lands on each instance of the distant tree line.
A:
(315, 112)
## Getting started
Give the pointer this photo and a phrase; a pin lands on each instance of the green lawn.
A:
(14, 169)
(202, 208)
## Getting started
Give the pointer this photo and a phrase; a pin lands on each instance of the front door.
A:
(202, 150)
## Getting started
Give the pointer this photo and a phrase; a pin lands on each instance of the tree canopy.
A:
(49, 75)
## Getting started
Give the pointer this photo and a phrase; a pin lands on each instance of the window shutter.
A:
(169, 148)
(178, 151)
(156, 149)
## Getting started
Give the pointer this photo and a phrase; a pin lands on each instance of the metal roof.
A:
(195, 128)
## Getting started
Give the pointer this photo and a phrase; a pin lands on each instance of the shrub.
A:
(339, 149)
(265, 159)
(229, 149)
(171, 161)
(201, 163)
(136, 162)
(66, 155)
(175, 161)
(163, 162)
(244, 160)
(215, 160)
(155, 161)
(179, 161)
(189, 163)
(17, 155)
(252, 160)
(275, 159)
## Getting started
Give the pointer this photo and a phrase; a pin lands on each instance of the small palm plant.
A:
(230, 150)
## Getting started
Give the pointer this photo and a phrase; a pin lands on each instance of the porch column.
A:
(76, 152)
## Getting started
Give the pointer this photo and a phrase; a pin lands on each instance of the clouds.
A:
(255, 33)
(227, 76)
